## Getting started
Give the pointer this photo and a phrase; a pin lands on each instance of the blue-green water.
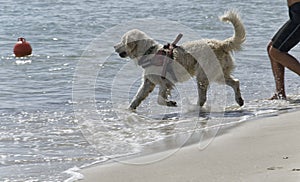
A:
(42, 131)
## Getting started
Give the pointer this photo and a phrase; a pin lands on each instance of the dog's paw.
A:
(131, 109)
(240, 101)
(171, 104)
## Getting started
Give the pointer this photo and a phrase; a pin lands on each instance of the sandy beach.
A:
(266, 149)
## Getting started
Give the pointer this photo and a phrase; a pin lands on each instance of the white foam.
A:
(75, 175)
(21, 62)
(265, 112)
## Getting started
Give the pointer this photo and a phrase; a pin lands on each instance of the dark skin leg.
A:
(280, 60)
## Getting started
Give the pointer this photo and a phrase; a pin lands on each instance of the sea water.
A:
(65, 107)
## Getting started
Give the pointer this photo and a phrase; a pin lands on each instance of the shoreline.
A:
(266, 148)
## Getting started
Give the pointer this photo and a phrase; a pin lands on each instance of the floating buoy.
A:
(22, 48)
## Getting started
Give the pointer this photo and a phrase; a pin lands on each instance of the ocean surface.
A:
(65, 107)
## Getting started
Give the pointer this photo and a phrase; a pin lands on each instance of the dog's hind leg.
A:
(144, 90)
(235, 84)
(163, 97)
(202, 85)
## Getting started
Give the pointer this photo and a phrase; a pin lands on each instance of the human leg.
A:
(284, 40)
(278, 73)
(285, 59)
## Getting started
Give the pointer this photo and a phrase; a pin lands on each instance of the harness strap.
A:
(179, 36)
(171, 47)
(146, 62)
(162, 58)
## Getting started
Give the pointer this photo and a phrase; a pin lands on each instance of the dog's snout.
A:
(118, 48)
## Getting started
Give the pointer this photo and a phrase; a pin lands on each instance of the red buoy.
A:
(22, 48)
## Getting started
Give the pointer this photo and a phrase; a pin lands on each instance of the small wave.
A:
(75, 175)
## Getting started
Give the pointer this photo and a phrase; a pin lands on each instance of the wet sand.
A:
(266, 149)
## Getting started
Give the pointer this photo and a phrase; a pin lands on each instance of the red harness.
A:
(163, 58)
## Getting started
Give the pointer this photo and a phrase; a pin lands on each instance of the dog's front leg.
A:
(163, 98)
(144, 90)
(202, 91)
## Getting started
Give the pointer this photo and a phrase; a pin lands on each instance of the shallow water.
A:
(52, 121)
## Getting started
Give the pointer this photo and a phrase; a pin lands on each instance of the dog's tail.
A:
(239, 36)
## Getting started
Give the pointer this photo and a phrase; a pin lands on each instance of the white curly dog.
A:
(192, 58)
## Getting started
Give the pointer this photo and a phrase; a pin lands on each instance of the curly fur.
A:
(207, 59)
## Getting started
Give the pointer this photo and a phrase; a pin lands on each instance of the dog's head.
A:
(134, 44)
